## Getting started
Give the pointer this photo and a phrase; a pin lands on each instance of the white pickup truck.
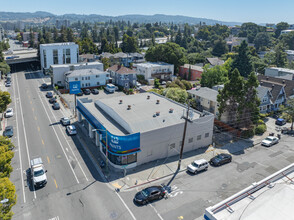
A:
(38, 173)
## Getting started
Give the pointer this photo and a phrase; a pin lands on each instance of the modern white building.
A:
(87, 77)
(58, 53)
(143, 127)
(286, 31)
(57, 72)
(278, 72)
(160, 70)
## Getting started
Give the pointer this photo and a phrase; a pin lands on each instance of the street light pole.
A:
(184, 136)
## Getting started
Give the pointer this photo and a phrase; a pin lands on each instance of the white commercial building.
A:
(87, 77)
(57, 72)
(158, 70)
(278, 72)
(58, 53)
(141, 128)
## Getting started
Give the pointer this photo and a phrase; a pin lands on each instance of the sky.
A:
(258, 11)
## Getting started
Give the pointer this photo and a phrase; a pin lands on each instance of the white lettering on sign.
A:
(117, 147)
(114, 140)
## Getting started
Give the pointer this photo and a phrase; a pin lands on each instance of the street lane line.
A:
(48, 159)
(131, 213)
(68, 142)
(25, 133)
(55, 184)
(58, 139)
(38, 128)
(43, 142)
(156, 212)
(19, 151)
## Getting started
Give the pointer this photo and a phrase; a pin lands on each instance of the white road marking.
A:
(19, 151)
(67, 142)
(131, 213)
(58, 139)
(156, 211)
(66, 149)
(54, 218)
(25, 134)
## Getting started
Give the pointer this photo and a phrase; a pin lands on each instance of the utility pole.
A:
(184, 136)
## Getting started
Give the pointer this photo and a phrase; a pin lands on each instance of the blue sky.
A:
(258, 11)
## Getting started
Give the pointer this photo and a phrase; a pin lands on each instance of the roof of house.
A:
(120, 55)
(215, 61)
(84, 72)
(121, 69)
(205, 92)
(87, 56)
(193, 67)
(262, 91)
(268, 81)
(107, 55)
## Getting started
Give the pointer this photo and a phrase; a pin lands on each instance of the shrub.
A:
(247, 133)
(260, 122)
(260, 129)
(286, 117)
(262, 116)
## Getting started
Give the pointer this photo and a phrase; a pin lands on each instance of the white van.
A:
(198, 165)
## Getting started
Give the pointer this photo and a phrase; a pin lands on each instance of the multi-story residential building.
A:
(265, 98)
(160, 70)
(58, 53)
(26, 36)
(57, 72)
(142, 128)
(123, 76)
(191, 72)
(89, 78)
(85, 58)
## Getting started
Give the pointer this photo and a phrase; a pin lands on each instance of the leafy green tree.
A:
(69, 35)
(289, 110)
(242, 61)
(250, 30)
(220, 47)
(156, 83)
(194, 58)
(5, 100)
(280, 27)
(176, 94)
(280, 56)
(288, 40)
(129, 44)
(6, 156)
(4, 67)
(187, 84)
(261, 40)
(7, 191)
(106, 63)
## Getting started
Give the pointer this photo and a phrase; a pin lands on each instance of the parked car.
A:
(49, 95)
(56, 106)
(220, 159)
(280, 121)
(44, 86)
(95, 91)
(52, 100)
(80, 94)
(71, 130)
(8, 132)
(9, 113)
(87, 91)
(65, 121)
(269, 141)
(197, 166)
(148, 194)
(8, 84)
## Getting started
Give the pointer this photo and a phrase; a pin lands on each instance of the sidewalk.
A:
(3, 120)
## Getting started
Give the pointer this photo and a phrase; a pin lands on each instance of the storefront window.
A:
(121, 160)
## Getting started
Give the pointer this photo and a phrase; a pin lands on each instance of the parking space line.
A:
(48, 159)
(55, 183)
(156, 212)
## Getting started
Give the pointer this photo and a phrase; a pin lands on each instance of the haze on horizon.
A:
(262, 11)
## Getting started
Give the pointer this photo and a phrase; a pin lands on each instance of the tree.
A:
(194, 58)
(4, 68)
(176, 94)
(5, 100)
(69, 35)
(220, 47)
(242, 61)
(231, 97)
(106, 63)
(129, 44)
(261, 40)
(280, 56)
(279, 27)
(289, 110)
(7, 191)
(156, 83)
(188, 85)
(6, 156)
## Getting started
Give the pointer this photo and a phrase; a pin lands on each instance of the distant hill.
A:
(41, 16)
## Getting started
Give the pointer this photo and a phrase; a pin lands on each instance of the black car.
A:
(220, 159)
(95, 91)
(65, 121)
(87, 91)
(52, 100)
(80, 94)
(49, 95)
(149, 194)
(56, 106)
(8, 132)
(44, 86)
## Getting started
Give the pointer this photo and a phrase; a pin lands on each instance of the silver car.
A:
(71, 130)
(198, 165)
(269, 141)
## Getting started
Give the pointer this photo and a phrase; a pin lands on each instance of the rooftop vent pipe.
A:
(157, 101)
(171, 110)
(120, 101)
(129, 107)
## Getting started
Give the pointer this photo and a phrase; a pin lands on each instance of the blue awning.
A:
(124, 154)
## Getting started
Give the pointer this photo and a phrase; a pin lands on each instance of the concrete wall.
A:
(166, 142)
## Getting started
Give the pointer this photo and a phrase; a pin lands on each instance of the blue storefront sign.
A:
(116, 144)
(74, 87)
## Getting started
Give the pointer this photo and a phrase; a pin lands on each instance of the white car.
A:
(269, 141)
(71, 130)
(9, 113)
(198, 165)
(8, 84)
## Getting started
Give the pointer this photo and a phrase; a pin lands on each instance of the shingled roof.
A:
(121, 69)
(276, 84)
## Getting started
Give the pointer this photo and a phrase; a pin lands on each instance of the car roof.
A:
(152, 188)
(9, 109)
(270, 137)
(280, 119)
(9, 127)
(71, 127)
(200, 161)
(65, 118)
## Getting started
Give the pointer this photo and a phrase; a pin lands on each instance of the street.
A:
(75, 190)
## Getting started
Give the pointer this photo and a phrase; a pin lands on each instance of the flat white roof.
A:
(58, 44)
(148, 65)
(76, 64)
(281, 69)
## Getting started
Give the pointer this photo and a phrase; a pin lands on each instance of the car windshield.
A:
(39, 173)
(144, 192)
(194, 164)
(268, 139)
